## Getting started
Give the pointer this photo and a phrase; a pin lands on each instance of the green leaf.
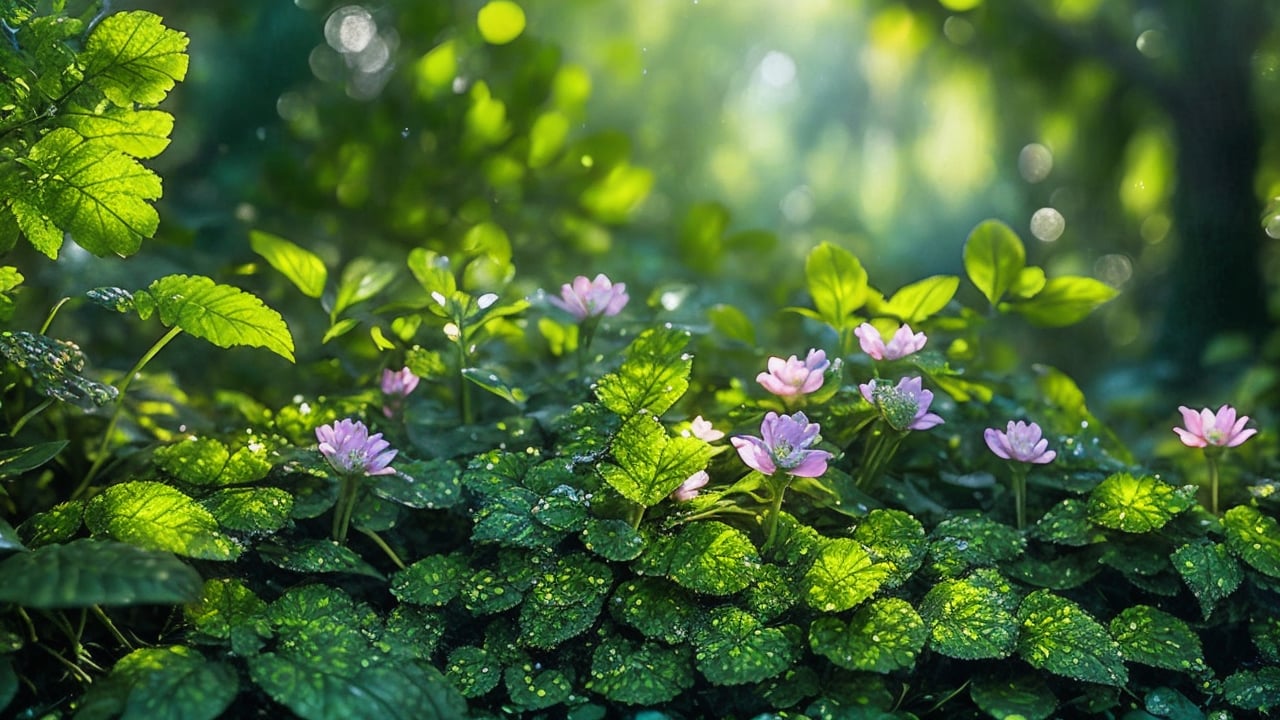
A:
(967, 620)
(639, 673)
(55, 366)
(565, 601)
(432, 272)
(422, 484)
(706, 557)
(413, 632)
(223, 605)
(993, 257)
(650, 464)
(21, 460)
(473, 671)
(1023, 696)
(1137, 505)
(97, 194)
(1169, 703)
(895, 538)
(965, 541)
(922, 299)
(485, 592)
(111, 298)
(1254, 690)
(35, 224)
(434, 580)
(842, 576)
(206, 461)
(255, 510)
(132, 58)
(89, 572)
(653, 376)
(1065, 301)
(9, 540)
(155, 516)
(732, 323)
(58, 524)
(1060, 636)
(8, 682)
(224, 315)
(316, 555)
(532, 688)
(489, 381)
(1067, 523)
(173, 683)
(302, 267)
(1265, 634)
(733, 648)
(137, 133)
(507, 519)
(1156, 638)
(1254, 537)
(884, 636)
(656, 608)
(837, 283)
(1030, 281)
(612, 539)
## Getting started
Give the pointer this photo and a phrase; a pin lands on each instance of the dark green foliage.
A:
(733, 648)
(95, 572)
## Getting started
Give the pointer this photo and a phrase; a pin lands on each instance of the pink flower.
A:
(1206, 428)
(688, 489)
(785, 445)
(703, 430)
(904, 406)
(591, 298)
(792, 377)
(1021, 442)
(903, 343)
(352, 451)
(396, 386)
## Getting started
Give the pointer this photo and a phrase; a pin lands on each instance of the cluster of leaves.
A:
(527, 558)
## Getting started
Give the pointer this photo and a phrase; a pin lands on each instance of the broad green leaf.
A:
(837, 283)
(414, 632)
(485, 592)
(97, 194)
(8, 682)
(20, 460)
(490, 381)
(432, 272)
(155, 516)
(111, 298)
(732, 323)
(1254, 537)
(89, 572)
(1060, 636)
(472, 670)
(639, 673)
(616, 195)
(316, 555)
(434, 580)
(9, 540)
(422, 484)
(706, 557)
(654, 375)
(612, 539)
(224, 315)
(173, 683)
(842, 576)
(650, 464)
(656, 608)
(1154, 637)
(1029, 282)
(565, 600)
(507, 519)
(883, 636)
(132, 58)
(1168, 703)
(1057, 572)
(58, 524)
(1265, 634)
(1137, 505)
(206, 461)
(302, 267)
(255, 510)
(531, 687)
(55, 366)
(966, 620)
(733, 648)
(771, 594)
(1254, 690)
(893, 537)
(1067, 523)
(993, 257)
(137, 133)
(35, 224)
(223, 605)
(1022, 696)
(1065, 301)
(361, 280)
(922, 299)
(965, 541)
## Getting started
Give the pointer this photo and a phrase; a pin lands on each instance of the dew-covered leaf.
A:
(422, 484)
(653, 375)
(507, 519)
(733, 648)
(1265, 633)
(255, 510)
(316, 555)
(656, 608)
(706, 557)
(612, 539)
(1137, 504)
(111, 298)
(25, 459)
(434, 580)
(650, 464)
(883, 636)
(1154, 637)
(965, 541)
(224, 315)
(773, 592)
(843, 575)
(531, 687)
(1023, 696)
(966, 620)
(1062, 572)
(58, 524)
(1067, 523)
(473, 671)
(639, 673)
(155, 516)
(89, 572)
(223, 605)
(1254, 537)
(55, 366)
(133, 58)
(1060, 636)
(893, 537)
(302, 267)
(564, 601)
(1254, 690)
(206, 461)
(413, 632)
(1164, 702)
(485, 592)
(173, 683)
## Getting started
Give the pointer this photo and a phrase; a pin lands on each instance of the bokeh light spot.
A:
(777, 69)
(1035, 162)
(1113, 269)
(500, 22)
(1048, 224)
(958, 30)
(959, 5)
(350, 29)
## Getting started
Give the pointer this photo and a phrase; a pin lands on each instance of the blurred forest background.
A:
(697, 149)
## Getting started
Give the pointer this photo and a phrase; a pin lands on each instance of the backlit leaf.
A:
(58, 524)
(55, 366)
(883, 636)
(1060, 636)
(993, 258)
(1154, 637)
(922, 299)
(133, 58)
(842, 576)
(650, 464)
(223, 605)
(155, 516)
(254, 510)
(173, 683)
(706, 557)
(1065, 301)
(1254, 537)
(301, 266)
(653, 376)
(224, 315)
(837, 283)
(893, 537)
(1137, 505)
(138, 133)
(89, 572)
(966, 620)
(732, 648)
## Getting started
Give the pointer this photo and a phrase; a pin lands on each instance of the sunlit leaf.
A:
(732, 323)
(490, 381)
(1254, 537)
(89, 572)
(653, 376)
(706, 557)
(133, 58)
(434, 580)
(896, 538)
(965, 541)
(922, 299)
(639, 673)
(155, 516)
(1060, 636)
(733, 648)
(656, 608)
(250, 510)
(837, 283)
(58, 524)
(1065, 301)
(615, 196)
(1154, 637)
(362, 279)
(993, 257)
(173, 683)
(1137, 505)
(883, 636)
(650, 464)
(966, 620)
(223, 605)
(842, 576)
(138, 133)
(316, 556)
(224, 315)
(301, 266)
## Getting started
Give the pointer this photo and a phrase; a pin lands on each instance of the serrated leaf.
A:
(20, 460)
(413, 632)
(473, 671)
(993, 259)
(656, 608)
(155, 516)
(842, 575)
(223, 605)
(137, 133)
(896, 538)
(434, 580)
(1254, 537)
(316, 556)
(486, 592)
(966, 620)
(55, 366)
(532, 688)
(1254, 690)
(300, 266)
(564, 601)
(174, 683)
(965, 541)
(422, 484)
(58, 524)
(733, 648)
(612, 539)
(1065, 301)
(133, 58)
(1024, 696)
(1067, 523)
(922, 299)
(111, 298)
(254, 510)
(884, 636)
(650, 464)
(653, 376)
(507, 519)
(224, 315)
(1265, 634)
(1136, 505)
(837, 283)
(1061, 572)
(706, 557)
(644, 673)
(1060, 636)
(89, 572)
(1156, 638)
(35, 224)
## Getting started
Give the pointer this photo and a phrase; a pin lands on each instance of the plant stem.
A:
(349, 485)
(377, 540)
(17, 426)
(775, 508)
(637, 514)
(1213, 481)
(115, 632)
(884, 445)
(53, 312)
(464, 386)
(1020, 493)
(115, 416)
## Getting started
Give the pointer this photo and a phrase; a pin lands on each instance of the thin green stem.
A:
(637, 514)
(115, 416)
(22, 421)
(1020, 493)
(342, 512)
(377, 540)
(111, 627)
(775, 509)
(465, 413)
(884, 445)
(53, 312)
(1213, 481)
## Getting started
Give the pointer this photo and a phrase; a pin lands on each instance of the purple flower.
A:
(1206, 428)
(396, 386)
(688, 489)
(351, 450)
(792, 377)
(784, 445)
(904, 406)
(903, 343)
(591, 298)
(1020, 442)
(703, 430)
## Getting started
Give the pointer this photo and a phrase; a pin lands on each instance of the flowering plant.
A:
(1024, 444)
(1213, 432)
(903, 343)
(353, 453)
(793, 377)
